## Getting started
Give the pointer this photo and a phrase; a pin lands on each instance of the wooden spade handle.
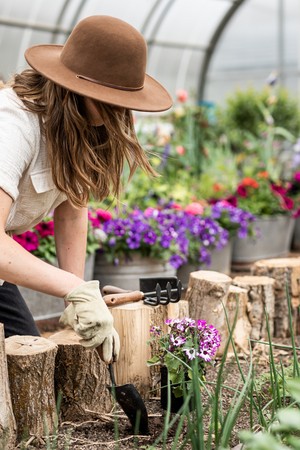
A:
(108, 289)
(120, 299)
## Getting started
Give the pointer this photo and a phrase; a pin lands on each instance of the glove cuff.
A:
(80, 291)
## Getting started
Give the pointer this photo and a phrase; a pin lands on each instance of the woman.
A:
(66, 132)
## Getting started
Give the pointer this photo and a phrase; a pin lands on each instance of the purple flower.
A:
(133, 241)
(169, 234)
(150, 237)
(177, 261)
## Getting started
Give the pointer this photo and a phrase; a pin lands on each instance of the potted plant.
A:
(217, 216)
(187, 341)
(275, 208)
(153, 242)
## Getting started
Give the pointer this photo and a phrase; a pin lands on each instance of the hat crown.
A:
(107, 51)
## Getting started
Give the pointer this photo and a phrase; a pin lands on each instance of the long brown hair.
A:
(86, 161)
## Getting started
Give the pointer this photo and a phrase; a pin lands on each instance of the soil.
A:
(113, 431)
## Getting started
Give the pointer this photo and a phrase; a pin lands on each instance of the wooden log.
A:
(237, 305)
(207, 294)
(286, 273)
(81, 378)
(178, 310)
(31, 361)
(133, 322)
(8, 431)
(261, 300)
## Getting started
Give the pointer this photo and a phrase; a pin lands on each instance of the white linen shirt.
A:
(25, 172)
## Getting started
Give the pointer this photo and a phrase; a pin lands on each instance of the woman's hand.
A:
(91, 319)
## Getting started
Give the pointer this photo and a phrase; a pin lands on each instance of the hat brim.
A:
(45, 59)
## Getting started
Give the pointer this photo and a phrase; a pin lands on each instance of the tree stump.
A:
(207, 294)
(178, 310)
(237, 304)
(81, 378)
(133, 321)
(261, 300)
(286, 273)
(8, 431)
(31, 361)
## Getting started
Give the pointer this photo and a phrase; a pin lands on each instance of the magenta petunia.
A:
(103, 215)
(29, 240)
(242, 191)
(45, 228)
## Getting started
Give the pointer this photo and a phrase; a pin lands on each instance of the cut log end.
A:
(278, 262)
(253, 280)
(27, 345)
(210, 275)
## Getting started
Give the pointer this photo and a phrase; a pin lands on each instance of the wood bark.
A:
(207, 294)
(261, 301)
(133, 321)
(178, 310)
(81, 378)
(8, 432)
(31, 361)
(237, 305)
(286, 273)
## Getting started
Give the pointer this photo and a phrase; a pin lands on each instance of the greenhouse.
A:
(150, 210)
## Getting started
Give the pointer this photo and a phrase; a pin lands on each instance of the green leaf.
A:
(294, 442)
(289, 417)
(293, 386)
(154, 360)
(260, 441)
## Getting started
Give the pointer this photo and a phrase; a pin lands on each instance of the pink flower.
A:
(180, 150)
(103, 215)
(194, 208)
(278, 189)
(287, 203)
(242, 191)
(182, 95)
(28, 240)
(175, 205)
(98, 217)
(297, 177)
(45, 228)
(296, 213)
(150, 211)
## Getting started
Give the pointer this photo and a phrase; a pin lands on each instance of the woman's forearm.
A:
(20, 267)
(70, 226)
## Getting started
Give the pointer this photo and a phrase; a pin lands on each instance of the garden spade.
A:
(131, 402)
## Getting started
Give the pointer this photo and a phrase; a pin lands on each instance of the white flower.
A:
(100, 235)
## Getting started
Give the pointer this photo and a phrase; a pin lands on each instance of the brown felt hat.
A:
(104, 58)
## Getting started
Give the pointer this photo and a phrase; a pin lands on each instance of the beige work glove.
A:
(91, 319)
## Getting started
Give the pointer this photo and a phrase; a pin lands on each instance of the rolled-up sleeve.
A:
(17, 141)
